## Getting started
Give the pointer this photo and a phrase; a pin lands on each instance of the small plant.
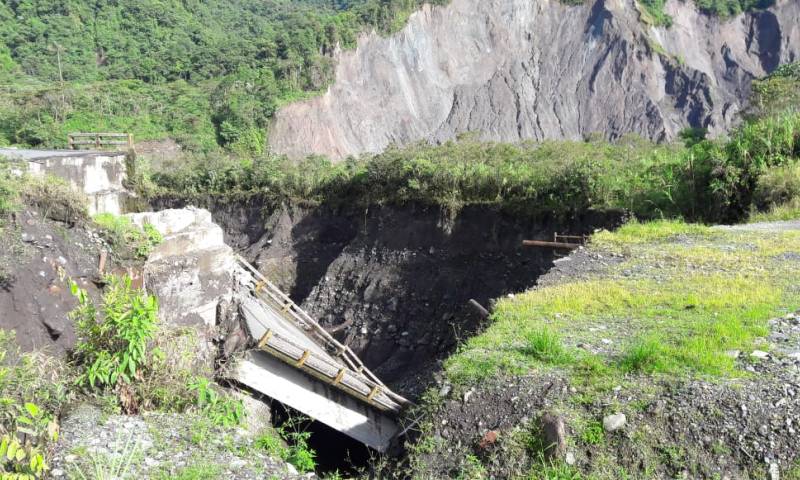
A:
(22, 454)
(221, 410)
(8, 192)
(643, 356)
(113, 339)
(593, 434)
(547, 469)
(472, 469)
(545, 345)
(291, 445)
(27, 428)
(109, 467)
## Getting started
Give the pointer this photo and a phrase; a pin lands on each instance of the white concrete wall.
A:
(99, 176)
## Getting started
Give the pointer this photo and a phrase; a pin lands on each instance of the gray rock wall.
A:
(538, 69)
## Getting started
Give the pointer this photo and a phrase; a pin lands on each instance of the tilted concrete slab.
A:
(274, 378)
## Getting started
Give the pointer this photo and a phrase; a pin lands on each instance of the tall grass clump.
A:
(545, 345)
(644, 355)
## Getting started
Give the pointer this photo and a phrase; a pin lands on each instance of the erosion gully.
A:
(392, 282)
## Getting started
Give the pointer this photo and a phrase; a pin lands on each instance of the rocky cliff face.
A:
(538, 69)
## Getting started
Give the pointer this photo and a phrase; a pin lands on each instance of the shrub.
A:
(56, 199)
(112, 348)
(291, 445)
(32, 396)
(222, 410)
(172, 366)
(8, 192)
(593, 433)
(778, 185)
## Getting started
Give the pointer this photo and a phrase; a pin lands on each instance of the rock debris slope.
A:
(538, 69)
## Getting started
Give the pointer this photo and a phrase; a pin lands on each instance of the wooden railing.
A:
(78, 141)
(355, 378)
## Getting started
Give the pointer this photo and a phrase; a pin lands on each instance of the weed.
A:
(128, 239)
(780, 212)
(32, 395)
(593, 433)
(113, 340)
(545, 469)
(221, 410)
(545, 345)
(56, 199)
(195, 472)
(644, 355)
(472, 469)
(8, 189)
(290, 443)
(108, 467)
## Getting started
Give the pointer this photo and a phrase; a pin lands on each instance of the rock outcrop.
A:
(539, 69)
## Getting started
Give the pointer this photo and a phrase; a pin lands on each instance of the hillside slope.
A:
(520, 69)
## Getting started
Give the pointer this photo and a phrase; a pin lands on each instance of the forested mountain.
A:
(208, 71)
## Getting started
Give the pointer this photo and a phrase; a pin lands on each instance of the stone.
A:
(612, 423)
(759, 354)
(554, 435)
(774, 472)
(570, 459)
(468, 394)
(489, 439)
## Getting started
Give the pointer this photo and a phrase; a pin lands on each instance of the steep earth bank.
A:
(394, 283)
(640, 424)
(521, 69)
(36, 256)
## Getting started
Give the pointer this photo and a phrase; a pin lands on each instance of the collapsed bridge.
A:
(288, 357)
(301, 365)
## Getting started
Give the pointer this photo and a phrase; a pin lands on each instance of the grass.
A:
(683, 296)
(129, 240)
(777, 213)
(194, 472)
(545, 345)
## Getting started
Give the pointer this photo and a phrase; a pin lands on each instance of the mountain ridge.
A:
(497, 67)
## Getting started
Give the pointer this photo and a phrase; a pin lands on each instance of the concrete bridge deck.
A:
(299, 364)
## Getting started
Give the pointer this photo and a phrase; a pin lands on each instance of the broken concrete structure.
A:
(100, 175)
(192, 269)
(198, 278)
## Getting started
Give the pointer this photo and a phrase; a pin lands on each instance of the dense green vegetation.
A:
(704, 180)
(720, 8)
(206, 73)
(27, 429)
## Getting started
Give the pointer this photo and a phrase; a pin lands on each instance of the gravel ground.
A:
(159, 446)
